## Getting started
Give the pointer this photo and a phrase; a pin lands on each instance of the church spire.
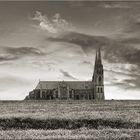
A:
(98, 76)
(99, 56)
(98, 63)
(98, 59)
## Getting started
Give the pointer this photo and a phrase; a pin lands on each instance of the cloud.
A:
(7, 57)
(113, 51)
(24, 51)
(114, 5)
(67, 75)
(131, 41)
(132, 27)
(43, 63)
(77, 3)
(86, 42)
(133, 83)
(10, 53)
(54, 25)
(127, 83)
(123, 75)
(121, 53)
(86, 64)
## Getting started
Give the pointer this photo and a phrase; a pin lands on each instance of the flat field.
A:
(70, 120)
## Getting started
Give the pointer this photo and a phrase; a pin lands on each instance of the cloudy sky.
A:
(58, 40)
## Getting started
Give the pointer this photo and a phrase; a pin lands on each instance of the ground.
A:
(70, 120)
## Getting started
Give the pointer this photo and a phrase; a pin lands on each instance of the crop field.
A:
(70, 120)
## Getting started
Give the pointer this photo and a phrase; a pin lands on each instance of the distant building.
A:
(72, 90)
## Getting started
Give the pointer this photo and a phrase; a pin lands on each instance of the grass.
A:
(69, 119)
(128, 111)
(81, 134)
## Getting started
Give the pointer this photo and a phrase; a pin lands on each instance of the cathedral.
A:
(72, 90)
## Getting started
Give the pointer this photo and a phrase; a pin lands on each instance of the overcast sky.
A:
(58, 40)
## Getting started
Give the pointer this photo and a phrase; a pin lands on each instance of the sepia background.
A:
(58, 41)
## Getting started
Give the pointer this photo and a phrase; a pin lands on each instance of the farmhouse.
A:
(72, 90)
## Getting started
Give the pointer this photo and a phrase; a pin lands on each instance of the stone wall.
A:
(75, 94)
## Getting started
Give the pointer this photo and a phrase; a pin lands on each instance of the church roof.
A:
(71, 84)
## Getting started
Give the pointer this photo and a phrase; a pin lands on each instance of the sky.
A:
(42, 40)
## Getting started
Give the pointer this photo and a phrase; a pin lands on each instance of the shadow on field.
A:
(29, 123)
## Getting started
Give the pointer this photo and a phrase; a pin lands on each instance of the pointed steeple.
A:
(99, 56)
(98, 64)
(96, 58)
(98, 77)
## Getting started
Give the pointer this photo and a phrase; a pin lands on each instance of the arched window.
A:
(101, 90)
(98, 89)
(101, 71)
(100, 78)
(43, 94)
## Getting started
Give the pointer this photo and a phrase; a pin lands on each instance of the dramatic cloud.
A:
(53, 25)
(123, 54)
(86, 42)
(10, 53)
(114, 51)
(133, 83)
(131, 32)
(67, 75)
(127, 83)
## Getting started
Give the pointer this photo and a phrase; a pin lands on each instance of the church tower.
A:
(98, 77)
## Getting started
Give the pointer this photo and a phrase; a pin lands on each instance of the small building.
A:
(72, 90)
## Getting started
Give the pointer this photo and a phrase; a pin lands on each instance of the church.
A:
(72, 90)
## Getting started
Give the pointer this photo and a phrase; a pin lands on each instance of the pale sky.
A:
(58, 40)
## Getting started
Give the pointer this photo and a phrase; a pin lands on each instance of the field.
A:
(70, 120)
